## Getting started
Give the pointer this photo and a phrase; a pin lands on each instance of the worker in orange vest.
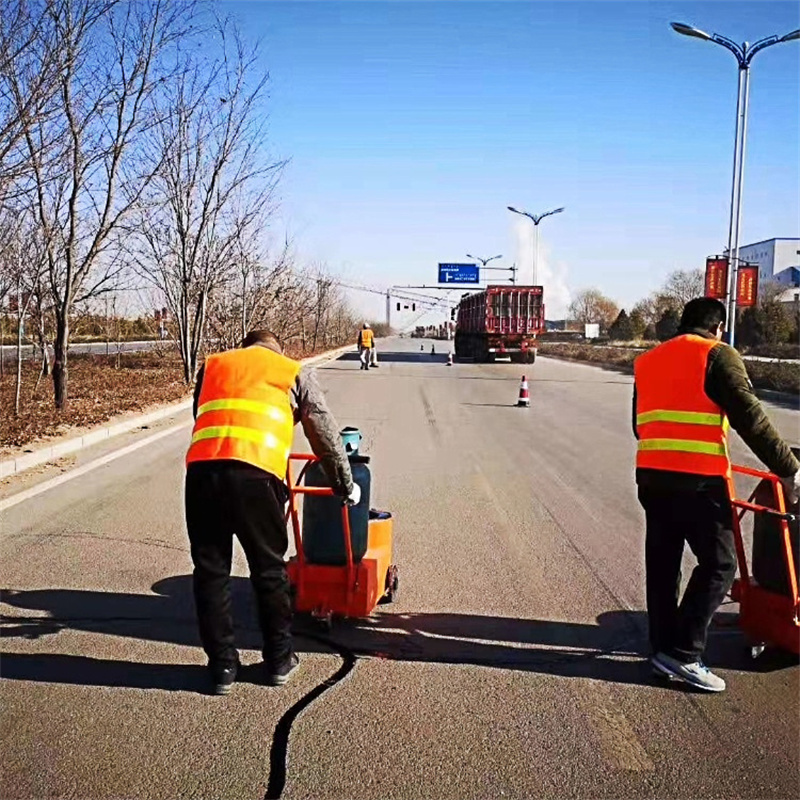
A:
(687, 392)
(246, 403)
(366, 346)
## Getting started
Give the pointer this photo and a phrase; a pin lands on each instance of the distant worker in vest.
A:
(366, 346)
(246, 403)
(687, 392)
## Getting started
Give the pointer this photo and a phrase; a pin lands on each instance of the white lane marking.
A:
(15, 499)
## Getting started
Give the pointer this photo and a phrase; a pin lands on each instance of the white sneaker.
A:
(696, 674)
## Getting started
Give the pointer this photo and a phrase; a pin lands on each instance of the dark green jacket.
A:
(729, 387)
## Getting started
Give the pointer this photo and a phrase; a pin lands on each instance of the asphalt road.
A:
(510, 666)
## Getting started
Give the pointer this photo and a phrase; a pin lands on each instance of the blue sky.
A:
(412, 125)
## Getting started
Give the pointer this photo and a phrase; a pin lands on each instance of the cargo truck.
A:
(500, 321)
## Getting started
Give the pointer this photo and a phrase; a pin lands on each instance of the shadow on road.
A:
(420, 357)
(611, 649)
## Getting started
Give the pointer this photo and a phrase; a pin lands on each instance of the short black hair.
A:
(705, 313)
(264, 338)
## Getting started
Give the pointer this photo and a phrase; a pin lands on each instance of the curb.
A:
(13, 466)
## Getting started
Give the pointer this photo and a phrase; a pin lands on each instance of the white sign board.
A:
(592, 330)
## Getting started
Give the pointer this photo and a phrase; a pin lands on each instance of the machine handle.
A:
(766, 510)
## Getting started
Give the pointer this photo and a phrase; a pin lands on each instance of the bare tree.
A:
(23, 261)
(684, 285)
(30, 62)
(592, 306)
(85, 159)
(213, 189)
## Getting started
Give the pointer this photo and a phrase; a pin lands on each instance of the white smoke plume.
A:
(551, 274)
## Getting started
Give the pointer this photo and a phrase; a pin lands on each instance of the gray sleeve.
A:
(322, 432)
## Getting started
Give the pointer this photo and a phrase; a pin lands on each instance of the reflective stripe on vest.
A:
(238, 404)
(688, 417)
(680, 428)
(244, 413)
(684, 446)
(237, 432)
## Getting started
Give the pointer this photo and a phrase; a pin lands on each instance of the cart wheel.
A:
(323, 618)
(392, 582)
(757, 649)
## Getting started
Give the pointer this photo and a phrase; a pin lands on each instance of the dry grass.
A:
(97, 391)
(764, 375)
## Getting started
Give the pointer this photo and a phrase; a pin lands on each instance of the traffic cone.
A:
(450, 359)
(524, 400)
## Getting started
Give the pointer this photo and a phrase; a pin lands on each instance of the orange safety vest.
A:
(244, 413)
(366, 338)
(680, 428)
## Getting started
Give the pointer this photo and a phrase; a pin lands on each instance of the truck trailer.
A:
(500, 321)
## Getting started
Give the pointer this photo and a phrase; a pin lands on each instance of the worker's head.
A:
(704, 313)
(263, 339)
(366, 325)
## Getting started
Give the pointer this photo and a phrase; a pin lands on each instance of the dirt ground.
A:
(100, 387)
(97, 390)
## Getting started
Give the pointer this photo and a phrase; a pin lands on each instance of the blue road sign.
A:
(459, 273)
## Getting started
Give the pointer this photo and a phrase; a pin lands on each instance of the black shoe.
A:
(278, 676)
(223, 677)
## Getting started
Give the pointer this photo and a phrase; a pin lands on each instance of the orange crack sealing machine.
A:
(349, 584)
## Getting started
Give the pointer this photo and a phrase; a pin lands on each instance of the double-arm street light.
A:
(536, 219)
(744, 55)
(485, 261)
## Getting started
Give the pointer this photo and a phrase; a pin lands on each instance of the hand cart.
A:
(766, 617)
(350, 590)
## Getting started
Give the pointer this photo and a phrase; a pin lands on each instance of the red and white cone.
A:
(524, 400)
(450, 359)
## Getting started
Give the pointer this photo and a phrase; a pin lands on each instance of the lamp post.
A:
(485, 261)
(536, 220)
(744, 55)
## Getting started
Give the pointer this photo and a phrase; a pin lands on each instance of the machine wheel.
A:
(756, 649)
(392, 581)
(323, 618)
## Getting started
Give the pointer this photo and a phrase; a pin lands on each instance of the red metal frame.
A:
(765, 616)
(294, 489)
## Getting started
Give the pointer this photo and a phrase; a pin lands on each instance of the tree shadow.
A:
(610, 649)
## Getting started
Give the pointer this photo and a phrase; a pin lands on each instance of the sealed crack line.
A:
(280, 738)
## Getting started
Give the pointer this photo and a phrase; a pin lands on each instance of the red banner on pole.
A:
(717, 277)
(746, 285)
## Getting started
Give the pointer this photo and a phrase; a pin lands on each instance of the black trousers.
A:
(224, 498)
(703, 519)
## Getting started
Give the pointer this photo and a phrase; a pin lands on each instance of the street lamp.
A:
(744, 55)
(536, 220)
(485, 261)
